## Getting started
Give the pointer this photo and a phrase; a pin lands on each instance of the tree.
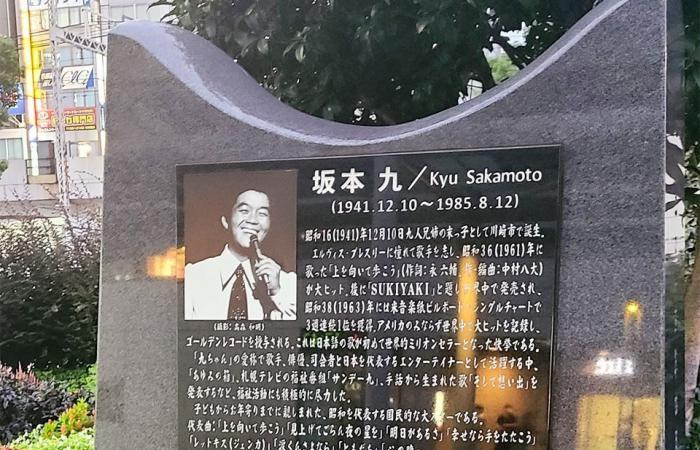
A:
(9, 79)
(9, 76)
(49, 277)
(374, 62)
(691, 140)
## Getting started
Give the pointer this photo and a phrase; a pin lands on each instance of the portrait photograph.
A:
(238, 228)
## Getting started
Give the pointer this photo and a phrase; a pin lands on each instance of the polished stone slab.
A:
(176, 99)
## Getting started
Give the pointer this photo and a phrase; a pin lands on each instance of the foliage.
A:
(79, 380)
(82, 440)
(691, 139)
(692, 74)
(72, 431)
(48, 290)
(694, 434)
(691, 12)
(26, 402)
(374, 62)
(3, 166)
(9, 76)
(691, 132)
(502, 68)
(73, 420)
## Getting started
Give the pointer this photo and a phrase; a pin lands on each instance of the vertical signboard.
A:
(401, 301)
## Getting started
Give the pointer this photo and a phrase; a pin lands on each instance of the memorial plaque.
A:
(386, 302)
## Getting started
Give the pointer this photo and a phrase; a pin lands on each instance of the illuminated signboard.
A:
(73, 77)
(75, 119)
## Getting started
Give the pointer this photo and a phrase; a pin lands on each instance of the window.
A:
(139, 11)
(11, 148)
(82, 57)
(70, 56)
(84, 98)
(66, 54)
(46, 56)
(83, 149)
(155, 13)
(121, 12)
(75, 15)
(62, 17)
(67, 17)
(39, 20)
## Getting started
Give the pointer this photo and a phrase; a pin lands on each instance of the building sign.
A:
(45, 79)
(44, 4)
(75, 119)
(77, 77)
(400, 301)
(18, 108)
(72, 77)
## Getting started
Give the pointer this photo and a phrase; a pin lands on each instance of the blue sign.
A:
(18, 109)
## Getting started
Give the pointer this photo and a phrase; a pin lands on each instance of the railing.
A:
(45, 166)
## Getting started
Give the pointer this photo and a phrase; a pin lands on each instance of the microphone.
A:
(255, 245)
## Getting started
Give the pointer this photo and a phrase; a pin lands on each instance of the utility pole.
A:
(60, 144)
(93, 22)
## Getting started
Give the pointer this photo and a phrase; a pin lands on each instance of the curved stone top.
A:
(175, 100)
(225, 85)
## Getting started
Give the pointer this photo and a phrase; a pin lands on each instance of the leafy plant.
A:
(72, 431)
(502, 68)
(694, 432)
(79, 380)
(691, 143)
(75, 419)
(49, 275)
(82, 440)
(26, 402)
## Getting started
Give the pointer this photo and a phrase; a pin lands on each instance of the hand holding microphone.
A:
(266, 269)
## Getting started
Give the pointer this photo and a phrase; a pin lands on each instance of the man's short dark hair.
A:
(243, 191)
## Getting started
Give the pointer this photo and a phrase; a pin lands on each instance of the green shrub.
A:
(82, 440)
(72, 431)
(73, 420)
(49, 276)
(26, 402)
(81, 380)
(694, 434)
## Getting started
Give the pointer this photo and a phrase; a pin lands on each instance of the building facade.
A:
(30, 143)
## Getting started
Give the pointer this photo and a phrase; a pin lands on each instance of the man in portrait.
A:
(241, 283)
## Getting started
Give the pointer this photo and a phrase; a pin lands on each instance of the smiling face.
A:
(250, 216)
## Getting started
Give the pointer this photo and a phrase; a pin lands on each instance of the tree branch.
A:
(485, 73)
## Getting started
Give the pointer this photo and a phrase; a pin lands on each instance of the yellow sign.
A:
(74, 119)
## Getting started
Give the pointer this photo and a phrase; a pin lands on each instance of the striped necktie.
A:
(238, 302)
